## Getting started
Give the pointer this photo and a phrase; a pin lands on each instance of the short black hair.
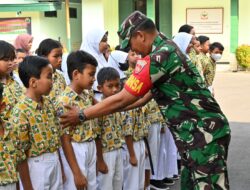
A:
(107, 74)
(185, 28)
(203, 39)
(78, 60)
(46, 46)
(216, 45)
(20, 50)
(31, 67)
(7, 51)
(147, 25)
(1, 91)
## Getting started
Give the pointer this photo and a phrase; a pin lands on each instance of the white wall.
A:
(179, 18)
(47, 27)
(103, 14)
(35, 25)
(56, 27)
(92, 15)
(244, 22)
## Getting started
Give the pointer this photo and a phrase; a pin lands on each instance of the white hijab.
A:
(115, 58)
(182, 40)
(90, 44)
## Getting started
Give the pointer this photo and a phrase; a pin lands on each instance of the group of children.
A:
(105, 153)
(204, 55)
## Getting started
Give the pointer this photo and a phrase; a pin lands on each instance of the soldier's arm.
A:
(141, 102)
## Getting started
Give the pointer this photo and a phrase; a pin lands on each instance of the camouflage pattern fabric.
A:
(200, 129)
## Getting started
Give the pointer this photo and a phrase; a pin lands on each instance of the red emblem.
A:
(140, 64)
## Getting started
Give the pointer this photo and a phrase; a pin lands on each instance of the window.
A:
(73, 12)
(50, 14)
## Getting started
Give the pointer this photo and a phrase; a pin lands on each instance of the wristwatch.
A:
(82, 116)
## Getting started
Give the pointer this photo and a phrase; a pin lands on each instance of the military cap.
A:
(129, 25)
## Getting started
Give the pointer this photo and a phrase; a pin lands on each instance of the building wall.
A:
(244, 22)
(103, 14)
(179, 18)
(35, 24)
(55, 28)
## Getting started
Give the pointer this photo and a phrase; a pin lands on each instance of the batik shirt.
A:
(193, 115)
(109, 129)
(194, 59)
(208, 67)
(36, 128)
(84, 131)
(8, 159)
(135, 124)
(59, 85)
(11, 95)
(153, 112)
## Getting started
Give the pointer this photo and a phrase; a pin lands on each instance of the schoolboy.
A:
(78, 145)
(36, 128)
(20, 55)
(109, 137)
(8, 173)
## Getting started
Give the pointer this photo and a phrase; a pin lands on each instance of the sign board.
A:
(10, 28)
(205, 20)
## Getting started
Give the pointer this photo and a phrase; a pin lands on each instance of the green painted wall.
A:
(234, 25)
(165, 18)
(244, 22)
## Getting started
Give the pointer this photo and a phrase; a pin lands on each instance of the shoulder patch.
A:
(140, 64)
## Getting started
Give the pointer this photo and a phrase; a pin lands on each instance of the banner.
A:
(10, 28)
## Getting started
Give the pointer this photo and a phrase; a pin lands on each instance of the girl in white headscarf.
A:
(95, 43)
(184, 42)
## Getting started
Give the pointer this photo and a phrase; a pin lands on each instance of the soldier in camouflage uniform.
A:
(200, 129)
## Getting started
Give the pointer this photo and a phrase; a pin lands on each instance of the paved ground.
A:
(232, 91)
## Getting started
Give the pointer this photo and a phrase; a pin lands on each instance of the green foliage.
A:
(243, 56)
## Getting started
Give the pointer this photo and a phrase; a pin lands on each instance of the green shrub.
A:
(243, 56)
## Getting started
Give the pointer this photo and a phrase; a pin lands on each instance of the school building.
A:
(226, 21)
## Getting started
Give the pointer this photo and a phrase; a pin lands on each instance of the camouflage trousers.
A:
(206, 168)
(203, 150)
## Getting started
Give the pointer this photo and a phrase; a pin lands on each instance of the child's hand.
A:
(162, 130)
(102, 167)
(80, 181)
(63, 177)
(133, 160)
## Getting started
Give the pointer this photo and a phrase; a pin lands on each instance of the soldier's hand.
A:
(71, 117)
(133, 160)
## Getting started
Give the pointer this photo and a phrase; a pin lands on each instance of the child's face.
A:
(29, 44)
(110, 87)
(5, 67)
(103, 46)
(216, 51)
(205, 47)
(44, 84)
(55, 58)
(19, 58)
(197, 46)
(86, 78)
